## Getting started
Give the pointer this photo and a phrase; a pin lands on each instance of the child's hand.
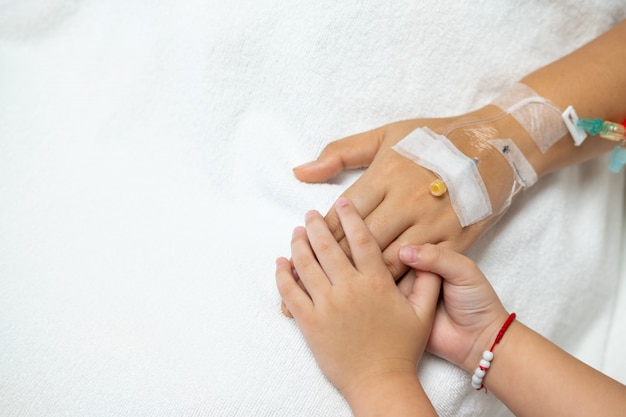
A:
(470, 314)
(355, 319)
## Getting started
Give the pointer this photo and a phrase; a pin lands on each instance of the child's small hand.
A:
(356, 321)
(470, 314)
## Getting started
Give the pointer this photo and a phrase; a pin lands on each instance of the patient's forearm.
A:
(593, 80)
(589, 79)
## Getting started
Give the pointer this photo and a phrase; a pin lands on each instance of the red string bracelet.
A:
(485, 362)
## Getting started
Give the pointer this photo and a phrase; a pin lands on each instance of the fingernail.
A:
(342, 202)
(297, 231)
(306, 165)
(310, 214)
(408, 254)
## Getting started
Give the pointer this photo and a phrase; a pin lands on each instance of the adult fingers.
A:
(369, 190)
(437, 225)
(386, 197)
(352, 152)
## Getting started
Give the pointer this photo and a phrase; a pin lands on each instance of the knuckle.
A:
(380, 225)
(303, 264)
(323, 244)
(332, 151)
(362, 238)
(379, 286)
(332, 147)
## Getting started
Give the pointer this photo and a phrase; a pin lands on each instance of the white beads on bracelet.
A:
(485, 362)
(479, 373)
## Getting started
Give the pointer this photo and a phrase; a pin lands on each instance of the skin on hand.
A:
(530, 375)
(386, 197)
(358, 324)
(392, 195)
(367, 337)
(470, 313)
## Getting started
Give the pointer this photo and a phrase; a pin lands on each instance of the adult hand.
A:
(392, 195)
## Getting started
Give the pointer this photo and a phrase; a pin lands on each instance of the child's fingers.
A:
(305, 262)
(330, 256)
(283, 306)
(285, 310)
(294, 297)
(364, 249)
(405, 283)
(455, 268)
(425, 294)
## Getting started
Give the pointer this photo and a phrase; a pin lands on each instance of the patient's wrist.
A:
(499, 146)
(486, 157)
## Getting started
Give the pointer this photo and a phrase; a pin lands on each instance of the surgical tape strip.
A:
(466, 188)
(538, 116)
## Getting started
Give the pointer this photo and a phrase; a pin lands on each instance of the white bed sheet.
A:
(146, 189)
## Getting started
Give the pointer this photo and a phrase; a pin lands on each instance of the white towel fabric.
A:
(146, 189)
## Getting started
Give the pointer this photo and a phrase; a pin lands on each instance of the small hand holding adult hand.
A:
(470, 314)
(392, 195)
(358, 324)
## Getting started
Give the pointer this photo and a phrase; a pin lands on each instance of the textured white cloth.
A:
(146, 189)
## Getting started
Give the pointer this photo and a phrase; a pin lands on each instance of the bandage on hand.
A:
(462, 153)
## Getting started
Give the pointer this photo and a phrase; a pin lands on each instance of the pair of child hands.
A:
(361, 324)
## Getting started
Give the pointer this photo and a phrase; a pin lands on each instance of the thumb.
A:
(352, 152)
(453, 267)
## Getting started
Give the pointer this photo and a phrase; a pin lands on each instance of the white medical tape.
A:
(524, 172)
(537, 115)
(466, 188)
